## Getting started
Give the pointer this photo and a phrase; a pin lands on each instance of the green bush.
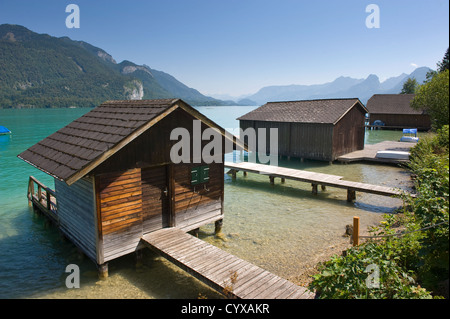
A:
(349, 276)
(412, 255)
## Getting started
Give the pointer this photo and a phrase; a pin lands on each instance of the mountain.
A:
(38, 70)
(342, 87)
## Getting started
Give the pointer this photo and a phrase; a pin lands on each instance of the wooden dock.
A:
(228, 274)
(369, 153)
(42, 199)
(311, 177)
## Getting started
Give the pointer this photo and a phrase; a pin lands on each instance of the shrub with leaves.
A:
(412, 247)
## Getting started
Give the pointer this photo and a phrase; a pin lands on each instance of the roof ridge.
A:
(312, 100)
(145, 101)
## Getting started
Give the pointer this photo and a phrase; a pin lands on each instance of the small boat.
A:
(395, 155)
(409, 135)
(4, 130)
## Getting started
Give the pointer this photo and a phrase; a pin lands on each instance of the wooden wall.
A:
(311, 141)
(201, 204)
(421, 122)
(153, 147)
(119, 206)
(76, 210)
(348, 134)
(155, 198)
(302, 140)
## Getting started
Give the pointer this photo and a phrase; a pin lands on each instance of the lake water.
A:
(281, 228)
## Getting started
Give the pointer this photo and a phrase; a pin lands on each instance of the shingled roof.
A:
(392, 104)
(328, 111)
(75, 150)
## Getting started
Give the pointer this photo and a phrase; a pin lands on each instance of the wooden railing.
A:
(44, 198)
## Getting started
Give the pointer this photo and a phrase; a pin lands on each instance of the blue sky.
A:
(239, 46)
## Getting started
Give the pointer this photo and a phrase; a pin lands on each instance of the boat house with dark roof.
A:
(115, 181)
(312, 129)
(395, 111)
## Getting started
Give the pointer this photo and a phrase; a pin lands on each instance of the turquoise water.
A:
(282, 228)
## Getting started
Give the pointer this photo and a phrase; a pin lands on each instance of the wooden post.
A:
(194, 232)
(30, 191)
(283, 180)
(171, 195)
(314, 189)
(272, 180)
(139, 258)
(351, 195)
(103, 271)
(245, 173)
(233, 173)
(39, 194)
(218, 226)
(355, 231)
(49, 203)
(324, 188)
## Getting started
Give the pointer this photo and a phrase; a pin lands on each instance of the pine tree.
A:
(410, 86)
(444, 64)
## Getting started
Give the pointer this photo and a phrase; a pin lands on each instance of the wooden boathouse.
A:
(395, 111)
(115, 181)
(311, 129)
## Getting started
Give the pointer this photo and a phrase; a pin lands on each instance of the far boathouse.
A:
(394, 111)
(311, 129)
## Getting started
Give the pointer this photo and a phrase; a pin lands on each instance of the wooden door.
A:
(155, 198)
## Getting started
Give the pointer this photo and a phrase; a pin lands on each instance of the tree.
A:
(433, 96)
(444, 64)
(410, 86)
(441, 67)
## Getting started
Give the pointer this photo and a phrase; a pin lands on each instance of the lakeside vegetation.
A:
(409, 251)
(411, 263)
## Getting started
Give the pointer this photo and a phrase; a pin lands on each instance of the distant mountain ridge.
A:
(38, 70)
(342, 87)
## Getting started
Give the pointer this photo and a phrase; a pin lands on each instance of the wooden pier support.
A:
(103, 271)
(314, 189)
(351, 195)
(218, 226)
(195, 232)
(355, 231)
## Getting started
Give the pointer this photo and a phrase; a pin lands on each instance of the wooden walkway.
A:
(311, 177)
(369, 153)
(228, 274)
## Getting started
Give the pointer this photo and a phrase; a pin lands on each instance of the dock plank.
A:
(216, 267)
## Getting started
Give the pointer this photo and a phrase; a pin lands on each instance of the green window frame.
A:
(199, 175)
